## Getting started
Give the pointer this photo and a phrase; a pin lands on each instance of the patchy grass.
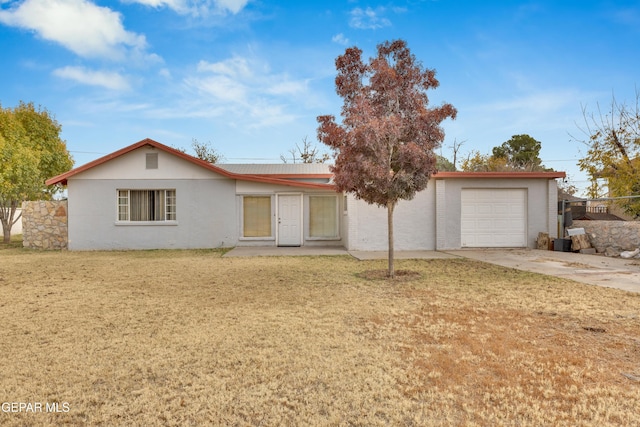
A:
(16, 242)
(190, 338)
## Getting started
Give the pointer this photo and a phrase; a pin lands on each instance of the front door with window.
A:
(289, 220)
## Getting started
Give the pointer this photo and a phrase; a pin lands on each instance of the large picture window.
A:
(323, 216)
(256, 214)
(146, 205)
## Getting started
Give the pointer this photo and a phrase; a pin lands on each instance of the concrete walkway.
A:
(590, 269)
(251, 251)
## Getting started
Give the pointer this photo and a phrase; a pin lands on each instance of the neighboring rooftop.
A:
(598, 216)
(277, 169)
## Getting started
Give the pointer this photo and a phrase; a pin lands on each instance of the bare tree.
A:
(456, 147)
(613, 141)
(306, 154)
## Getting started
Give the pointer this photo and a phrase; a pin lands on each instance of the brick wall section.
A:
(44, 224)
(611, 237)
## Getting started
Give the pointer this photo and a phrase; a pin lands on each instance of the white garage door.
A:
(494, 218)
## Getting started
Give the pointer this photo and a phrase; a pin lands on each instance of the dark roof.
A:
(562, 195)
(592, 216)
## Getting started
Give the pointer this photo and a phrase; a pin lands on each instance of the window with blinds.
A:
(323, 216)
(146, 205)
(256, 214)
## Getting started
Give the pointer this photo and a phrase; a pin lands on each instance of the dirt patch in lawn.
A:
(399, 275)
(190, 338)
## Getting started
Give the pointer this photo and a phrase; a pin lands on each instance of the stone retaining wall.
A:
(611, 237)
(44, 224)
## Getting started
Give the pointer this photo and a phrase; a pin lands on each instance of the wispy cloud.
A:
(236, 67)
(369, 19)
(627, 16)
(106, 79)
(86, 29)
(247, 87)
(195, 7)
(340, 39)
(542, 114)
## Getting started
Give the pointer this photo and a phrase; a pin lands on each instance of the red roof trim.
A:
(499, 175)
(284, 179)
(62, 178)
(296, 175)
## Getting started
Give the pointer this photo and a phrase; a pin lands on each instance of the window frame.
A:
(170, 207)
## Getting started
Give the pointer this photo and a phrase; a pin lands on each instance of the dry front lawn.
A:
(191, 338)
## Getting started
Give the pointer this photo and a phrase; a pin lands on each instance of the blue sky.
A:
(251, 76)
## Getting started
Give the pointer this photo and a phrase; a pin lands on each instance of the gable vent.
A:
(152, 160)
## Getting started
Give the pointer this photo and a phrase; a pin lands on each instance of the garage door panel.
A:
(493, 218)
(484, 209)
(501, 209)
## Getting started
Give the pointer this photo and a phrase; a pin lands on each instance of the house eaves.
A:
(499, 175)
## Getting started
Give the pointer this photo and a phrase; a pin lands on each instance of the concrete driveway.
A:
(590, 269)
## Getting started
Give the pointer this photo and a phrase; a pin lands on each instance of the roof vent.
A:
(152, 160)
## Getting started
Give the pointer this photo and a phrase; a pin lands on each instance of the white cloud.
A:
(247, 88)
(287, 87)
(233, 6)
(221, 88)
(236, 67)
(546, 102)
(368, 19)
(195, 7)
(79, 25)
(340, 39)
(109, 80)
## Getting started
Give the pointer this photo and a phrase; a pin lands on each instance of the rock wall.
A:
(611, 237)
(44, 224)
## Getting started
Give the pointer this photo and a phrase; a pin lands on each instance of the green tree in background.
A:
(206, 151)
(444, 165)
(521, 153)
(31, 151)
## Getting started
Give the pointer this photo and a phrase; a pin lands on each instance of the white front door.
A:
(289, 219)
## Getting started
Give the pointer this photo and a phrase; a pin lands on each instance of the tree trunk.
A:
(6, 217)
(6, 232)
(390, 207)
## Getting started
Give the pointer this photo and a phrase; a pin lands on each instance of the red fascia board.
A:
(296, 175)
(62, 178)
(499, 175)
(278, 181)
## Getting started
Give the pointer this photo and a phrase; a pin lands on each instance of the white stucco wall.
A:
(17, 227)
(205, 208)
(432, 220)
(413, 222)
